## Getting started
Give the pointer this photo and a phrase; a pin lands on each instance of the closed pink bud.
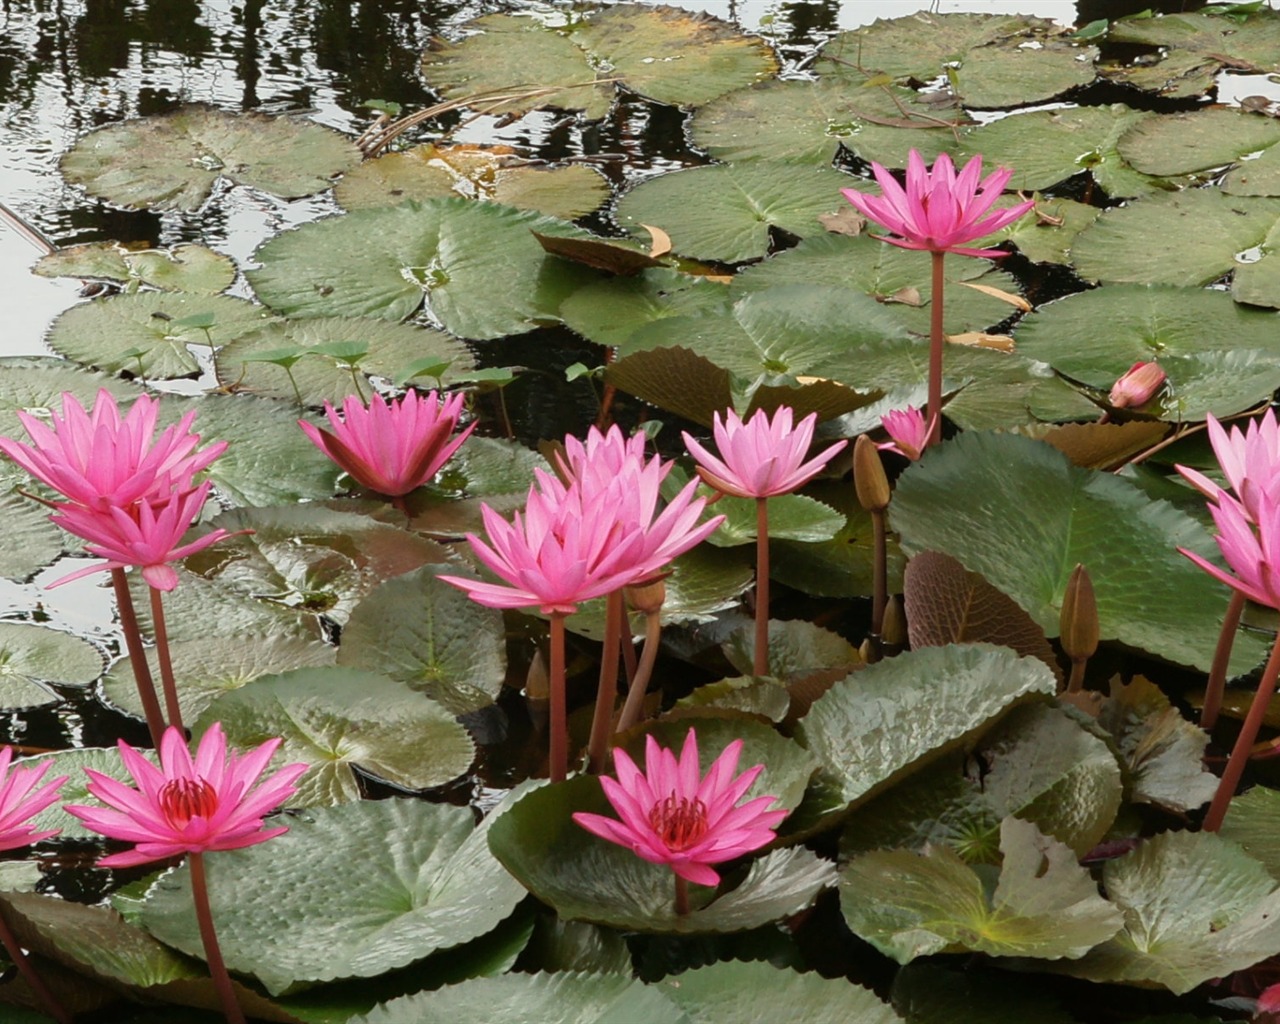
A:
(1138, 386)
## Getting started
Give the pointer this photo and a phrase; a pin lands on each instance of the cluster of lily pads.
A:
(947, 792)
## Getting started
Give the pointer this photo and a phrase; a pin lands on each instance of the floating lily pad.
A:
(1195, 907)
(1204, 235)
(1252, 823)
(494, 173)
(200, 608)
(766, 697)
(33, 655)
(208, 667)
(450, 253)
(431, 636)
(184, 268)
(36, 384)
(610, 311)
(150, 334)
(1220, 357)
(75, 790)
(355, 891)
(725, 212)
(1196, 141)
(991, 60)
(1047, 234)
(791, 517)
(580, 65)
(868, 731)
(1021, 515)
(586, 878)
(29, 540)
(1194, 48)
(796, 647)
(677, 379)
(1043, 904)
(284, 354)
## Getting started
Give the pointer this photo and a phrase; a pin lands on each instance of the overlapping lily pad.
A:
(1253, 824)
(355, 891)
(171, 161)
(608, 312)
(75, 790)
(184, 268)
(36, 384)
(578, 66)
(29, 541)
(386, 262)
(33, 655)
(1197, 141)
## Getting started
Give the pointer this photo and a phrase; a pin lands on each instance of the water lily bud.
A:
(894, 631)
(1138, 386)
(537, 684)
(869, 478)
(1079, 619)
(647, 597)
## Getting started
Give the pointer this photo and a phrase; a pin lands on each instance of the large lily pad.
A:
(355, 891)
(871, 729)
(29, 541)
(431, 636)
(150, 334)
(725, 212)
(579, 65)
(1220, 357)
(1253, 823)
(184, 268)
(36, 384)
(478, 267)
(288, 358)
(75, 790)
(1042, 905)
(1195, 907)
(1021, 515)
(610, 311)
(1197, 141)
(33, 655)
(586, 878)
(171, 161)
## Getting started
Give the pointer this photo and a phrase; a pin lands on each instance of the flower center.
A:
(679, 821)
(184, 799)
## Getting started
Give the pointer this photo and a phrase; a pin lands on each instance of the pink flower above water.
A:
(100, 460)
(671, 814)
(1249, 458)
(602, 458)
(1252, 552)
(22, 797)
(1137, 386)
(908, 431)
(392, 448)
(760, 458)
(213, 801)
(939, 210)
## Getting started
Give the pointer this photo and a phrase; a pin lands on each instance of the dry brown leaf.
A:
(907, 296)
(980, 339)
(661, 241)
(1104, 445)
(1017, 301)
(843, 222)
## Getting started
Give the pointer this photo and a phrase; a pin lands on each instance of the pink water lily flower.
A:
(908, 431)
(1252, 551)
(671, 814)
(22, 797)
(1249, 458)
(146, 534)
(99, 460)
(762, 457)
(939, 210)
(213, 801)
(602, 458)
(1137, 386)
(392, 447)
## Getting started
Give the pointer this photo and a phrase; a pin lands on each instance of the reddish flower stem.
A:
(138, 656)
(640, 683)
(204, 918)
(607, 691)
(167, 681)
(760, 653)
(1244, 742)
(682, 896)
(937, 341)
(879, 572)
(27, 969)
(1221, 656)
(559, 714)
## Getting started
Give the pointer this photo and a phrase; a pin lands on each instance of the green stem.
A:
(296, 393)
(167, 681)
(635, 696)
(1244, 742)
(27, 969)
(138, 656)
(1221, 656)
(760, 652)
(559, 714)
(607, 691)
(682, 896)
(204, 918)
(937, 341)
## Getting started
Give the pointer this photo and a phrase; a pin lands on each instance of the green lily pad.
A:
(926, 993)
(759, 993)
(430, 635)
(355, 891)
(29, 540)
(335, 718)
(586, 878)
(1194, 48)
(676, 379)
(1038, 764)
(796, 647)
(1195, 907)
(766, 697)
(75, 790)
(218, 608)
(1043, 903)
(858, 728)
(579, 65)
(991, 60)
(791, 517)
(1196, 141)
(1204, 235)
(1022, 516)
(493, 173)
(207, 667)
(150, 334)
(33, 655)
(257, 361)
(36, 384)
(1220, 357)
(184, 268)
(1252, 823)
(190, 149)
(608, 312)
(567, 998)
(577, 946)
(1047, 234)
(725, 212)
(447, 252)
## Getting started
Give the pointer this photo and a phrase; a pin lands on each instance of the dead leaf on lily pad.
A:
(844, 222)
(1017, 301)
(1105, 445)
(980, 339)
